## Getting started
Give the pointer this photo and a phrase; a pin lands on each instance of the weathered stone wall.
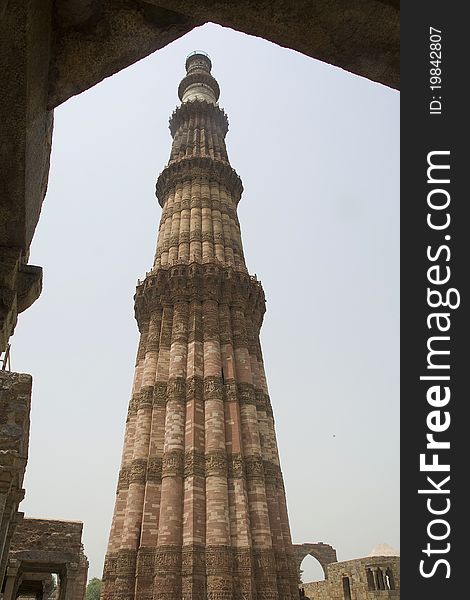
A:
(15, 403)
(60, 541)
(81, 579)
(362, 586)
(25, 141)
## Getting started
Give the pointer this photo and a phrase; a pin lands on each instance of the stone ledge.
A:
(20, 286)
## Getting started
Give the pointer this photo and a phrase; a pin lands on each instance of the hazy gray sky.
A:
(317, 151)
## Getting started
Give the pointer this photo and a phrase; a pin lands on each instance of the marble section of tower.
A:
(200, 510)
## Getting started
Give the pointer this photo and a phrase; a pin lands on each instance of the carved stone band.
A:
(194, 463)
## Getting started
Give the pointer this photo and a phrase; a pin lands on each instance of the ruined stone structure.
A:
(200, 510)
(374, 577)
(15, 404)
(324, 553)
(39, 548)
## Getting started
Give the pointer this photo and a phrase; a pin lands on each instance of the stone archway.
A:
(51, 51)
(324, 553)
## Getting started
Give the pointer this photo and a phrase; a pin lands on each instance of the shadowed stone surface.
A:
(15, 404)
(25, 142)
(95, 39)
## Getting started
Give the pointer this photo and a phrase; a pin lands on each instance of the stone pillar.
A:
(11, 580)
(218, 551)
(185, 221)
(70, 581)
(150, 455)
(219, 246)
(169, 544)
(194, 508)
(79, 588)
(8, 506)
(237, 489)
(264, 561)
(47, 587)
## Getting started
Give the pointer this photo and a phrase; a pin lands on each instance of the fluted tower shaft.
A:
(200, 511)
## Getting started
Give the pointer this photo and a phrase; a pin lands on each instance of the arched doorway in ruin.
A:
(323, 553)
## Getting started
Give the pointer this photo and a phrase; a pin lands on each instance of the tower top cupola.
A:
(198, 84)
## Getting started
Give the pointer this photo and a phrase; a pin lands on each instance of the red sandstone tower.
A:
(200, 510)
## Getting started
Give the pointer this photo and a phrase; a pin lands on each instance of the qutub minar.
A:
(200, 509)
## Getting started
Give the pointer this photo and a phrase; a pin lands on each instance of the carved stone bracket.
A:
(187, 109)
(194, 281)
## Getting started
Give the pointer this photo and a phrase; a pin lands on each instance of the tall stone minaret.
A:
(200, 509)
